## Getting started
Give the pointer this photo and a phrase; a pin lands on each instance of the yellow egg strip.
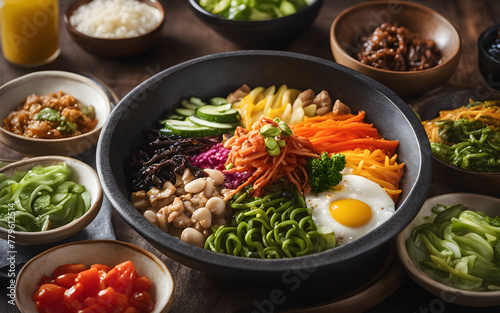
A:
(377, 167)
(270, 103)
(489, 115)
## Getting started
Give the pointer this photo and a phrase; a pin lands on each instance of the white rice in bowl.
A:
(115, 18)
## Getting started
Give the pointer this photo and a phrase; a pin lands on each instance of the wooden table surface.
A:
(184, 37)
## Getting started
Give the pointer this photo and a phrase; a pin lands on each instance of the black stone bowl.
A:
(268, 34)
(489, 66)
(220, 74)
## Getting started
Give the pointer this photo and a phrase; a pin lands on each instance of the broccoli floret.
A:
(324, 173)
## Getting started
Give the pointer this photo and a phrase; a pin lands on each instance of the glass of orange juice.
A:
(30, 31)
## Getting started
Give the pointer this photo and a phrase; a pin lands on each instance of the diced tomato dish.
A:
(73, 288)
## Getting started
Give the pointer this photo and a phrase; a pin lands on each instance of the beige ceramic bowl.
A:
(475, 202)
(114, 47)
(88, 252)
(360, 20)
(84, 89)
(80, 173)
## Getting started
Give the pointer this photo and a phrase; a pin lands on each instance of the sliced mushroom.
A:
(139, 200)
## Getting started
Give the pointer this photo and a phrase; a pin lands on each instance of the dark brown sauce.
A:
(395, 48)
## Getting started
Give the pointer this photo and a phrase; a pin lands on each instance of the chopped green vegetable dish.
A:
(42, 198)
(460, 248)
(470, 138)
(476, 148)
(253, 10)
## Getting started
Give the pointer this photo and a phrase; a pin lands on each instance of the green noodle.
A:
(278, 225)
(40, 199)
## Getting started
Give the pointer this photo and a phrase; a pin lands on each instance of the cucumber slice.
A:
(202, 122)
(184, 112)
(220, 114)
(225, 107)
(175, 117)
(166, 131)
(196, 101)
(189, 129)
(189, 105)
(217, 101)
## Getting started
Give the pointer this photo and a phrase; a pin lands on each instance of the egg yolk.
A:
(350, 212)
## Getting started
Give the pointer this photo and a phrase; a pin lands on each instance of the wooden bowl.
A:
(360, 20)
(475, 202)
(82, 174)
(88, 252)
(84, 89)
(114, 47)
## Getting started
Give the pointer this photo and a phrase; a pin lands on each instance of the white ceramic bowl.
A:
(84, 89)
(80, 173)
(475, 202)
(88, 252)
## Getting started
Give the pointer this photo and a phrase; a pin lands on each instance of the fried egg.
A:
(351, 209)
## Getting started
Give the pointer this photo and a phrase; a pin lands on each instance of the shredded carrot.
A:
(367, 153)
(334, 133)
(248, 153)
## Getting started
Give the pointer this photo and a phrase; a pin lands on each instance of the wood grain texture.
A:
(184, 37)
